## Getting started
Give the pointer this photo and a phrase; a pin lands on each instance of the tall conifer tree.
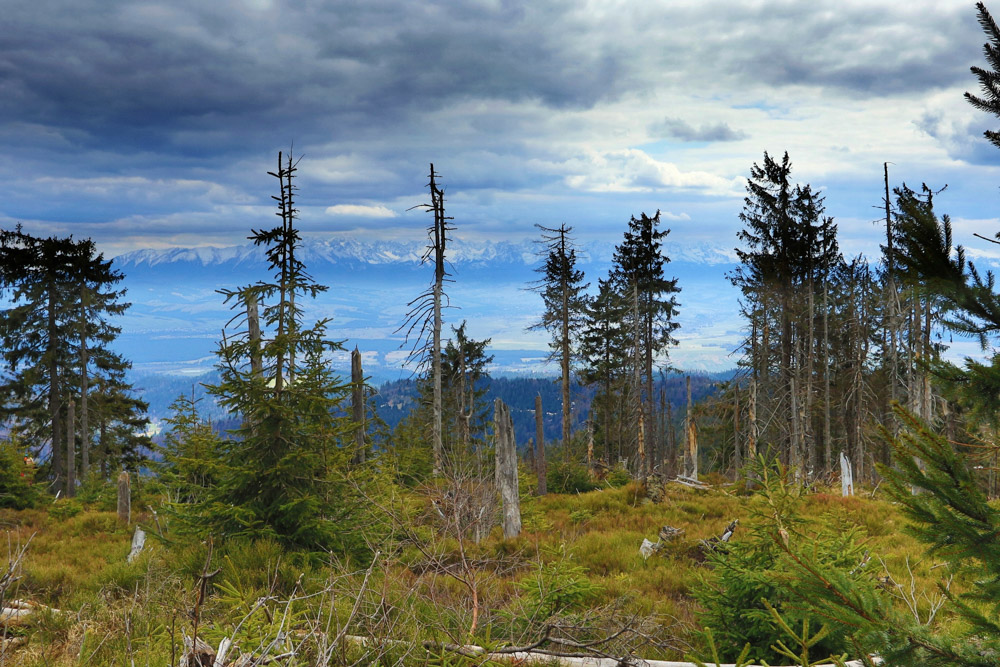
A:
(562, 289)
(639, 271)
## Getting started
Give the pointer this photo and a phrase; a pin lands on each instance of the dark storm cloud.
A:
(199, 79)
(169, 78)
(681, 130)
(159, 113)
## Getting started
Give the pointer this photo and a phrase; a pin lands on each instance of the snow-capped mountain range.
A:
(379, 252)
(177, 315)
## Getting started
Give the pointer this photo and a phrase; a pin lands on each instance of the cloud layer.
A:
(153, 124)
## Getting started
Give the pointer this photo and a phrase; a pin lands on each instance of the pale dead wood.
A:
(533, 655)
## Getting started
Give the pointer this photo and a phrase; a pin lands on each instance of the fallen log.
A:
(687, 481)
(199, 653)
(12, 643)
(18, 612)
(537, 656)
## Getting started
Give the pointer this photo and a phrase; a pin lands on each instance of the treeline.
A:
(831, 342)
(393, 401)
(64, 389)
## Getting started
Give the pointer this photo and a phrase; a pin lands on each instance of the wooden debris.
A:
(537, 656)
(138, 542)
(687, 481)
(11, 643)
(713, 543)
(19, 612)
(666, 534)
(199, 653)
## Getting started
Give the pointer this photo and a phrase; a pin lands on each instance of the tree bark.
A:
(84, 391)
(691, 463)
(124, 498)
(737, 454)
(54, 402)
(637, 385)
(358, 406)
(827, 445)
(564, 351)
(506, 469)
(437, 202)
(70, 449)
(253, 332)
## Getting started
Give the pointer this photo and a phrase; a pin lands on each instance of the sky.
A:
(153, 124)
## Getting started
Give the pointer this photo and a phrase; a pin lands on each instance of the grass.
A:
(578, 554)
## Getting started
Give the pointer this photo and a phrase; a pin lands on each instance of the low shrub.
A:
(566, 477)
(17, 477)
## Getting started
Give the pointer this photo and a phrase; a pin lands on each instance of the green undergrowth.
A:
(577, 563)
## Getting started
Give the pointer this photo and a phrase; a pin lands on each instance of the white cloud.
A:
(634, 170)
(361, 210)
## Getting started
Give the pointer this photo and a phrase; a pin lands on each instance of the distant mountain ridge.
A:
(177, 313)
(349, 250)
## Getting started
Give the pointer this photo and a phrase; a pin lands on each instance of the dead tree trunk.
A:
(358, 406)
(124, 498)
(70, 449)
(691, 455)
(564, 355)
(846, 476)
(540, 469)
(827, 444)
(440, 238)
(752, 429)
(253, 330)
(506, 469)
(671, 441)
(84, 390)
(737, 454)
(637, 381)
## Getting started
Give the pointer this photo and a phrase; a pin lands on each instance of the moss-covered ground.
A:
(576, 565)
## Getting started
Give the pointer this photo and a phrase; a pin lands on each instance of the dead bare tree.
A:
(358, 406)
(424, 320)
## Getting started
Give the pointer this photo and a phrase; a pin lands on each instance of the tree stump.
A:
(846, 476)
(124, 498)
(506, 469)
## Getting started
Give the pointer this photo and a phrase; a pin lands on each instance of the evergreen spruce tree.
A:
(563, 294)
(56, 341)
(989, 79)
(190, 461)
(465, 412)
(282, 475)
(605, 351)
(789, 251)
(464, 376)
(957, 524)
(638, 274)
(37, 275)
(952, 515)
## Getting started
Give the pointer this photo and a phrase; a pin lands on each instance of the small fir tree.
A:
(282, 475)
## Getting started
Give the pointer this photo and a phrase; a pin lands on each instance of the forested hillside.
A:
(829, 502)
